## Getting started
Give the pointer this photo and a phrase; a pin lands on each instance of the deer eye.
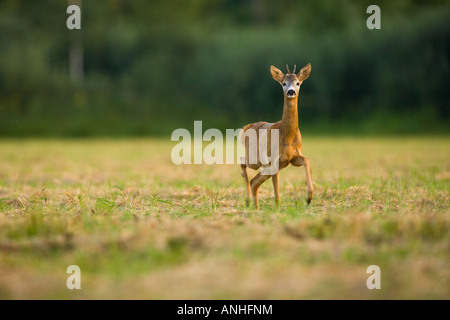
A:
(284, 83)
(298, 83)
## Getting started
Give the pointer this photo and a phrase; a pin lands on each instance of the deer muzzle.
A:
(290, 93)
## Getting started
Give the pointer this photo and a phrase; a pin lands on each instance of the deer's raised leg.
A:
(310, 188)
(247, 183)
(276, 188)
(256, 182)
(302, 161)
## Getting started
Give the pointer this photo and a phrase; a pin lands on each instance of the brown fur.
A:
(290, 141)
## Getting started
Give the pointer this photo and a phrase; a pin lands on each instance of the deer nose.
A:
(291, 92)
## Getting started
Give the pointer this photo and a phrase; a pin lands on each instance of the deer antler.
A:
(287, 67)
(295, 66)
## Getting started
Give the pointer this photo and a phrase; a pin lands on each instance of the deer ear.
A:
(277, 75)
(304, 73)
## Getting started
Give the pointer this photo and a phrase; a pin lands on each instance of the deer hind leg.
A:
(302, 161)
(247, 183)
(256, 182)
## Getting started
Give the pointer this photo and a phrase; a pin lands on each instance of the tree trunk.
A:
(76, 55)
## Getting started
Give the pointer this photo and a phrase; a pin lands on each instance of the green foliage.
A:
(151, 67)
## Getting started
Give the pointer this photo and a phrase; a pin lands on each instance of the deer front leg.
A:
(310, 188)
(276, 188)
(302, 161)
(256, 182)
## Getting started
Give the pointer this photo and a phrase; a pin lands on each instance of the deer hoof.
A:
(310, 196)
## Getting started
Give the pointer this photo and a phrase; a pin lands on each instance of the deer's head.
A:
(290, 82)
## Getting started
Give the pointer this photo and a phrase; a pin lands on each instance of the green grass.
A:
(140, 227)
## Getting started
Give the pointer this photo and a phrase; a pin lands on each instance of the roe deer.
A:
(290, 139)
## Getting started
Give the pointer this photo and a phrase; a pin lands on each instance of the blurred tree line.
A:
(152, 66)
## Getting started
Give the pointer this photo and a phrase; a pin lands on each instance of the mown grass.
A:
(140, 227)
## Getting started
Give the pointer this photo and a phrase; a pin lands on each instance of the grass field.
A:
(140, 227)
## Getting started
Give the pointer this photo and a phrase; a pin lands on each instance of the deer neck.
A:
(289, 121)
